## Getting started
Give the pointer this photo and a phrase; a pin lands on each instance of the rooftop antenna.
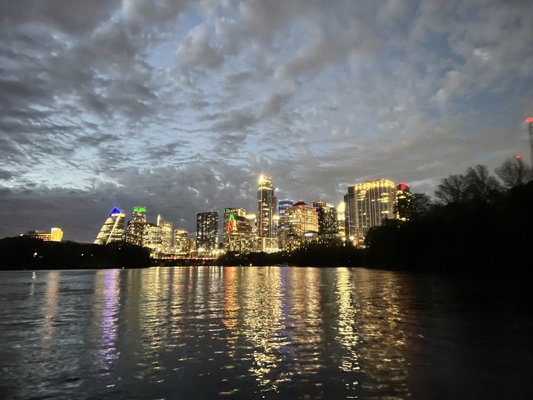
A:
(529, 121)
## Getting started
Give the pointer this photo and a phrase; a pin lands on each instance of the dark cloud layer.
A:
(179, 105)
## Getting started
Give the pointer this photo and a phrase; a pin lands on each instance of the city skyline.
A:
(179, 106)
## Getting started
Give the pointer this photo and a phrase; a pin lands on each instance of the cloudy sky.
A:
(180, 105)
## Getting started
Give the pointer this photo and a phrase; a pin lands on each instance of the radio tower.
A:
(529, 121)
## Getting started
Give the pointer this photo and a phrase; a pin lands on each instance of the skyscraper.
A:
(403, 199)
(152, 239)
(238, 231)
(368, 204)
(301, 221)
(113, 228)
(166, 234)
(206, 231)
(181, 242)
(136, 226)
(266, 206)
(327, 219)
(282, 223)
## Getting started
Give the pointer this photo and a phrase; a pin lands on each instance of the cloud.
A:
(195, 52)
(180, 105)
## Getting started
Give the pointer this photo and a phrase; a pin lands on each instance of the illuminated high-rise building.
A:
(403, 202)
(113, 228)
(349, 213)
(136, 226)
(181, 242)
(152, 239)
(302, 223)
(266, 206)
(166, 234)
(327, 219)
(238, 231)
(341, 218)
(206, 231)
(368, 204)
(282, 207)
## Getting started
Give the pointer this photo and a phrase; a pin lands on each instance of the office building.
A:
(152, 239)
(206, 231)
(403, 201)
(182, 245)
(327, 220)
(166, 234)
(238, 231)
(266, 206)
(136, 226)
(302, 224)
(368, 204)
(113, 228)
(55, 235)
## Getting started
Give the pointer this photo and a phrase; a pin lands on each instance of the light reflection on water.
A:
(246, 332)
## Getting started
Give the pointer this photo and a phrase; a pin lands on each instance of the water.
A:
(260, 332)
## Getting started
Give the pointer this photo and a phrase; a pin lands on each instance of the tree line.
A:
(477, 221)
(30, 253)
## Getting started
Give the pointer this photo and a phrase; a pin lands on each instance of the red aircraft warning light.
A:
(517, 156)
(529, 120)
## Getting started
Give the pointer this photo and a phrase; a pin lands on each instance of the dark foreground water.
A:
(261, 332)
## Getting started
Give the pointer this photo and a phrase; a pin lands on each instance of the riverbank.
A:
(20, 253)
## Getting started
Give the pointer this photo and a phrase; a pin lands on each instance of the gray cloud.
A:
(180, 105)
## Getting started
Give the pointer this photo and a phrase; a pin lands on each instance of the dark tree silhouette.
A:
(452, 189)
(481, 185)
(419, 206)
(477, 184)
(513, 172)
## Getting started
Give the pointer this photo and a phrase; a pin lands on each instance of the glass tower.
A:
(266, 206)
(369, 204)
(206, 231)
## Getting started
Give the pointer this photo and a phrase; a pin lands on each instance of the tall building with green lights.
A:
(238, 231)
(136, 226)
(113, 228)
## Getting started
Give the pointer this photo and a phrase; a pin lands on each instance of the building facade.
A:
(182, 245)
(136, 226)
(206, 231)
(113, 228)
(152, 239)
(302, 225)
(55, 235)
(266, 206)
(368, 204)
(327, 220)
(403, 201)
(238, 231)
(166, 234)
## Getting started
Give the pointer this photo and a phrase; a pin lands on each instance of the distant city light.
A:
(517, 156)
(529, 120)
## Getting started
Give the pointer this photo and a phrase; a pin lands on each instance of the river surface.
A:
(261, 332)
